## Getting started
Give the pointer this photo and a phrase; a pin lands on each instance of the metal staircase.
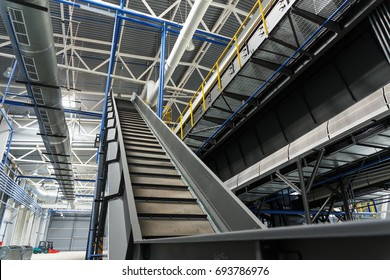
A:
(151, 186)
(165, 205)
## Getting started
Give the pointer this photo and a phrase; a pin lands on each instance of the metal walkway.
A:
(272, 47)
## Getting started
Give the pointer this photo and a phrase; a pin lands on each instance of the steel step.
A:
(165, 206)
(166, 200)
(136, 127)
(141, 144)
(135, 138)
(168, 208)
(144, 155)
(130, 117)
(159, 187)
(161, 193)
(141, 136)
(155, 181)
(170, 228)
(145, 149)
(136, 161)
(155, 171)
(132, 121)
(140, 132)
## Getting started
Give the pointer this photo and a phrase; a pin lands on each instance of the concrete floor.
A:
(75, 255)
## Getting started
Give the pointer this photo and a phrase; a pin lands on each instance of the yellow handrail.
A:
(192, 116)
(219, 78)
(237, 51)
(203, 98)
(234, 40)
(181, 127)
(263, 17)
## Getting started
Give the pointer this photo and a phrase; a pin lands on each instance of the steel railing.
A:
(235, 44)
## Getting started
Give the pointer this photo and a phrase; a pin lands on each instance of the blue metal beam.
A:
(10, 138)
(162, 70)
(115, 37)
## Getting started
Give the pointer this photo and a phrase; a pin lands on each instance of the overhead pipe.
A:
(190, 26)
(34, 49)
(44, 196)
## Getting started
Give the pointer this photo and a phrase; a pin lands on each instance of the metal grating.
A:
(38, 95)
(304, 28)
(19, 26)
(31, 69)
(243, 85)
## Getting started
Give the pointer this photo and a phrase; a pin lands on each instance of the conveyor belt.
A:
(165, 205)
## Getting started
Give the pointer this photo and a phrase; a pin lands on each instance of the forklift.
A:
(42, 248)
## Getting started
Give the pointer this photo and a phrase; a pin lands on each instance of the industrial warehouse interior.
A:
(195, 129)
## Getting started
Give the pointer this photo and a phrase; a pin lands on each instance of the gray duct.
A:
(44, 196)
(29, 27)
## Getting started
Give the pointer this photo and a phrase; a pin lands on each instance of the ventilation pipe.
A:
(44, 196)
(29, 27)
(196, 14)
(147, 90)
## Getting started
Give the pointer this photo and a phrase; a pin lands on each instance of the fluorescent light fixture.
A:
(66, 103)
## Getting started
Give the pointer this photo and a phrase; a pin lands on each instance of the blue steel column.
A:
(162, 66)
(5, 117)
(115, 37)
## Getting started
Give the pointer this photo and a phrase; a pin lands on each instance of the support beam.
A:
(272, 66)
(315, 170)
(345, 202)
(303, 192)
(235, 96)
(289, 46)
(201, 138)
(217, 120)
(287, 182)
(321, 209)
(331, 25)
